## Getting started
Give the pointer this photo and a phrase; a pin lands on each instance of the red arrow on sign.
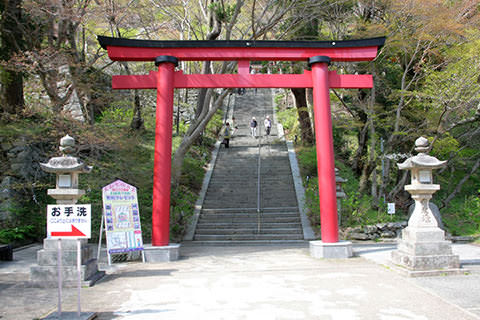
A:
(74, 233)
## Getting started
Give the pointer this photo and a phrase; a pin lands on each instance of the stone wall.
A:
(388, 230)
(20, 170)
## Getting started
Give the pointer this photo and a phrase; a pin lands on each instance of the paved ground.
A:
(254, 283)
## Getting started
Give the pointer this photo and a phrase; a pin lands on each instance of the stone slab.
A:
(70, 316)
(336, 250)
(154, 254)
(423, 234)
(308, 233)
(425, 263)
(426, 248)
(42, 276)
(433, 273)
(67, 244)
(69, 257)
(68, 283)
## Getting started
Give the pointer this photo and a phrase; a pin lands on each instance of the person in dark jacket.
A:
(253, 127)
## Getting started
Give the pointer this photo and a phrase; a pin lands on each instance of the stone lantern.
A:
(423, 250)
(67, 168)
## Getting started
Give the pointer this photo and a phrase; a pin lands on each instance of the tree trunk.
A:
(11, 43)
(359, 157)
(458, 187)
(399, 187)
(195, 131)
(303, 115)
(137, 120)
(373, 140)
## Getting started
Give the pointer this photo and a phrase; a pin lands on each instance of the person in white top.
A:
(268, 125)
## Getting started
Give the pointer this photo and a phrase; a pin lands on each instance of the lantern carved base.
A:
(45, 274)
(425, 252)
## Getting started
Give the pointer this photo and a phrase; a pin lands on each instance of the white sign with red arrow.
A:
(71, 221)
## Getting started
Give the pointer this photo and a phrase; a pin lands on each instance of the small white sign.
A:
(391, 208)
(71, 221)
(64, 181)
(425, 176)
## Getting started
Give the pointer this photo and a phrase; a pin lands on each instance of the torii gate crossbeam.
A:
(166, 55)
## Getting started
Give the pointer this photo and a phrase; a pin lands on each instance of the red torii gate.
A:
(166, 55)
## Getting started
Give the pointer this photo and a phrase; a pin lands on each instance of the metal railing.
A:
(259, 167)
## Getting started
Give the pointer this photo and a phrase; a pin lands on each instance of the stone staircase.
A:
(235, 210)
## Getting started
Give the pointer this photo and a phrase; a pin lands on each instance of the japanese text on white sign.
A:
(69, 221)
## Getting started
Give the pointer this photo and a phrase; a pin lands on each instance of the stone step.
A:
(225, 193)
(229, 197)
(293, 243)
(249, 179)
(236, 237)
(225, 216)
(287, 220)
(293, 210)
(250, 231)
(245, 218)
(235, 206)
(273, 212)
(250, 220)
(247, 225)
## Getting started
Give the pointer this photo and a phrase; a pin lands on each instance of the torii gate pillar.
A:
(161, 250)
(162, 168)
(329, 246)
(324, 142)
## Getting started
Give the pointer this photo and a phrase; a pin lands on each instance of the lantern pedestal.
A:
(423, 250)
(45, 274)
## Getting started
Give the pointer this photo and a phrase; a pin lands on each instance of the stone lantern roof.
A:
(422, 159)
(66, 163)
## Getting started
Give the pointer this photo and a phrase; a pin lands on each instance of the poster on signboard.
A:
(122, 218)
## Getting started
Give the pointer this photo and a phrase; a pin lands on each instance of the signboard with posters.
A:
(72, 221)
(122, 218)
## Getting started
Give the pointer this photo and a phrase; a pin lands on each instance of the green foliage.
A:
(444, 147)
(462, 217)
(119, 115)
(182, 207)
(223, 11)
(215, 124)
(288, 118)
(307, 160)
(17, 234)
(356, 208)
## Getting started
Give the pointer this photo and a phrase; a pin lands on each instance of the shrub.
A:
(462, 217)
